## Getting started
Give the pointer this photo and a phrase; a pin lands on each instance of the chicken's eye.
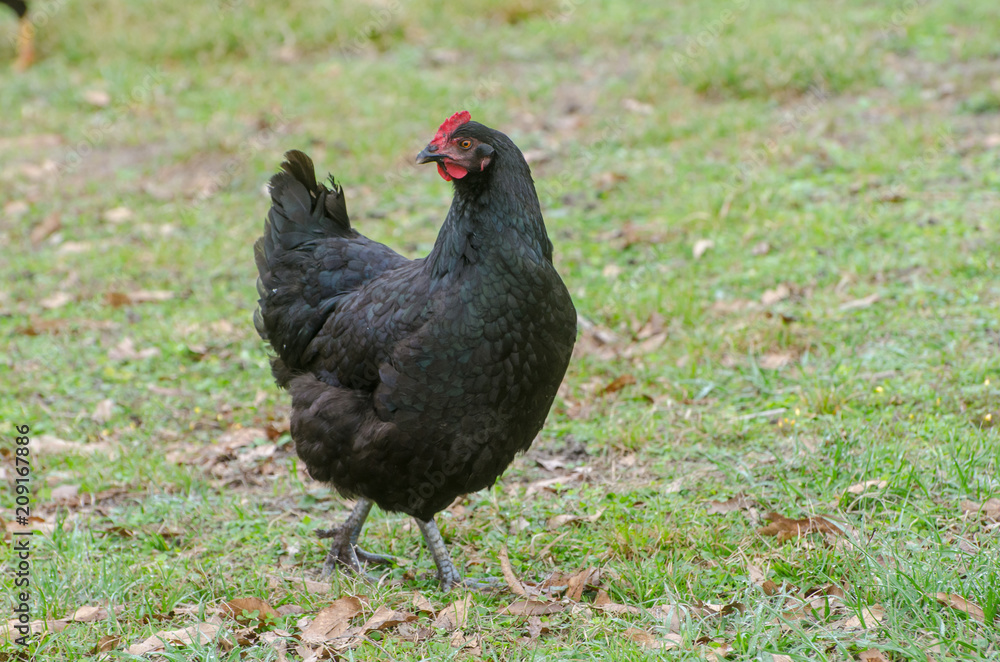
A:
(465, 144)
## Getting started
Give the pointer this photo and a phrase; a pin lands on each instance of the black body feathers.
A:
(414, 381)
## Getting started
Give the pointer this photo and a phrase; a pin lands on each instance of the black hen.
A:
(414, 381)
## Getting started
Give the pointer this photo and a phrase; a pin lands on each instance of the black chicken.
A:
(25, 35)
(414, 381)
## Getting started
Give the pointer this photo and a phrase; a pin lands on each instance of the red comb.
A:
(450, 124)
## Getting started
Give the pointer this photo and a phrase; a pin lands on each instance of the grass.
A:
(841, 158)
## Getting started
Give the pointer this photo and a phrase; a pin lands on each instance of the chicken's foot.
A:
(448, 574)
(344, 548)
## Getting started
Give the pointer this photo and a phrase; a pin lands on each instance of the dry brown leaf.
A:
(561, 520)
(119, 299)
(860, 488)
(103, 411)
(235, 608)
(202, 633)
(776, 360)
(533, 608)
(603, 603)
(49, 225)
(641, 637)
(48, 444)
(414, 633)
(701, 247)
(56, 300)
(618, 384)
(332, 621)
(778, 294)
(106, 643)
(872, 655)
(781, 658)
(788, 529)
(385, 618)
(126, 351)
(739, 502)
(240, 437)
(961, 604)
(578, 582)
(515, 585)
(536, 628)
(989, 510)
(869, 618)
(453, 616)
(422, 605)
(858, 304)
(89, 614)
(117, 215)
(64, 493)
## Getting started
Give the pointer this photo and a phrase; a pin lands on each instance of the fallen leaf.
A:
(103, 411)
(98, 98)
(787, 529)
(779, 293)
(603, 603)
(532, 608)
(557, 521)
(332, 621)
(701, 247)
(536, 628)
(641, 637)
(48, 444)
(49, 225)
(118, 215)
(578, 582)
(202, 633)
(422, 604)
(56, 300)
(869, 618)
(106, 643)
(618, 384)
(240, 437)
(515, 585)
(739, 502)
(64, 493)
(237, 606)
(385, 618)
(989, 510)
(860, 488)
(89, 614)
(126, 351)
(872, 655)
(453, 616)
(776, 360)
(961, 604)
(119, 299)
(858, 304)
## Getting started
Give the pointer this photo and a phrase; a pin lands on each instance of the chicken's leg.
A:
(344, 548)
(25, 44)
(448, 574)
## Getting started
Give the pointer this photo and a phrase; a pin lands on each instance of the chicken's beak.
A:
(429, 154)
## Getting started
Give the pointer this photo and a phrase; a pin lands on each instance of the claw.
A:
(344, 550)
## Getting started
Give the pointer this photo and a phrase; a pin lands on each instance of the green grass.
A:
(856, 142)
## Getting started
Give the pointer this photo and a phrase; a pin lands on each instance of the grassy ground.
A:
(779, 219)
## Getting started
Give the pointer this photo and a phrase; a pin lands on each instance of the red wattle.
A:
(456, 171)
(444, 173)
